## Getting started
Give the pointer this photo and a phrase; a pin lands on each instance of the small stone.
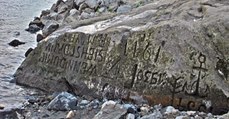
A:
(15, 43)
(170, 109)
(130, 116)
(2, 106)
(28, 52)
(39, 37)
(123, 9)
(64, 101)
(84, 102)
(70, 115)
(198, 117)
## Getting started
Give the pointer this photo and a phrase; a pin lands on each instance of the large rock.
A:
(170, 52)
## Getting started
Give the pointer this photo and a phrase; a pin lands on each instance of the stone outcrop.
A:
(168, 52)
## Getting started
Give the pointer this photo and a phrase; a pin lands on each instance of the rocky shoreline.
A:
(73, 14)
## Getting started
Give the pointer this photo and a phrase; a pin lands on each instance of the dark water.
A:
(14, 17)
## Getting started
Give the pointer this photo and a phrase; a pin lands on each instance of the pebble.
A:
(182, 117)
(70, 115)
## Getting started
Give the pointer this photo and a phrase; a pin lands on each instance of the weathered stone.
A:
(64, 101)
(159, 51)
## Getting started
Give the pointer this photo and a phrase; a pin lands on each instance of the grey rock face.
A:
(123, 9)
(62, 102)
(168, 52)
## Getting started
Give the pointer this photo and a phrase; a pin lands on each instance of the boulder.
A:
(164, 52)
(15, 43)
(62, 102)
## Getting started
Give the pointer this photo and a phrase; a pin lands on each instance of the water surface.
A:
(14, 17)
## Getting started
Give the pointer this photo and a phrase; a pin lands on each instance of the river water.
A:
(14, 17)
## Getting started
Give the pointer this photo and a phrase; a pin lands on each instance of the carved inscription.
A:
(77, 53)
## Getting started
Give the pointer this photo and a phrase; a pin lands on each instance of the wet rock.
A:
(64, 101)
(50, 27)
(15, 43)
(45, 13)
(2, 106)
(37, 22)
(110, 110)
(124, 9)
(39, 37)
(28, 52)
(33, 28)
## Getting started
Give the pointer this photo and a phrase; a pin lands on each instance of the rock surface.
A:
(168, 52)
(63, 101)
